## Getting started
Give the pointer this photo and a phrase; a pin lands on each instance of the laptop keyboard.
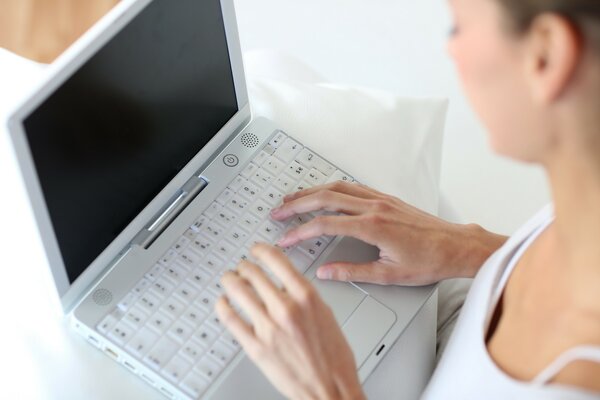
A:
(167, 320)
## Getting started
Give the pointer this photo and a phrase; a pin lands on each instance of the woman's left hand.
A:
(292, 335)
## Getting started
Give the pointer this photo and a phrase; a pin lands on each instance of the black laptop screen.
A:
(119, 129)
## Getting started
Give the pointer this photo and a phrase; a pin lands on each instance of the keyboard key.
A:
(173, 307)
(155, 272)
(260, 209)
(205, 335)
(121, 333)
(148, 302)
(315, 177)
(296, 170)
(181, 244)
(215, 287)
(168, 257)
(215, 323)
(186, 292)
(226, 217)
(237, 236)
(177, 369)
(249, 170)
(214, 231)
(313, 247)
(107, 323)
(212, 210)
(237, 204)
(272, 196)
(339, 176)
(261, 178)
(222, 353)
(141, 286)
(212, 263)
(301, 186)
(162, 287)
(284, 183)
(307, 158)
(274, 166)
(199, 223)
(237, 183)
(188, 259)
(249, 222)
(202, 245)
(180, 332)
(136, 318)
(249, 191)
(206, 301)
(288, 150)
(230, 340)
(226, 249)
(194, 384)
(159, 322)
(161, 353)
(277, 140)
(142, 342)
(126, 303)
(208, 368)
(175, 273)
(199, 278)
(261, 158)
(192, 350)
(194, 316)
(323, 166)
(270, 231)
(225, 196)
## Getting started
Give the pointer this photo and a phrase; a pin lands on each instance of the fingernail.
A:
(323, 273)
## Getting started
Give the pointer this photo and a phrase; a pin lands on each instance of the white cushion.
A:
(389, 142)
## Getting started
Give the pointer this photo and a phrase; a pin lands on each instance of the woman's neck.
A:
(575, 182)
(42, 29)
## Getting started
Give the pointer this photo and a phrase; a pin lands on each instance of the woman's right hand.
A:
(416, 248)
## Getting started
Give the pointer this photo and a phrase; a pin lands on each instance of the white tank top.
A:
(466, 370)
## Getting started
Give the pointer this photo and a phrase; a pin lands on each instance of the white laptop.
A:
(149, 178)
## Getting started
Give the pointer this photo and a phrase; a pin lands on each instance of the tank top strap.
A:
(579, 353)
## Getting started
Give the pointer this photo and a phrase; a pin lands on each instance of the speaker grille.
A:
(249, 140)
(102, 297)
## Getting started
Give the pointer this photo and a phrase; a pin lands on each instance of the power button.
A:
(231, 160)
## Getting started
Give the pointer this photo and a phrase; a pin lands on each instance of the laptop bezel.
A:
(57, 73)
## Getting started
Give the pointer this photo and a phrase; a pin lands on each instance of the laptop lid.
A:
(125, 117)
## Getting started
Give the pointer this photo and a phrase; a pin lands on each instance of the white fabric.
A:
(589, 353)
(391, 143)
(466, 370)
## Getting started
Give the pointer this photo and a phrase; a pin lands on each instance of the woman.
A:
(530, 327)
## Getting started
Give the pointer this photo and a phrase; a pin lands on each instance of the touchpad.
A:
(364, 320)
(342, 297)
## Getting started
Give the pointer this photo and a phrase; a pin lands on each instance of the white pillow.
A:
(388, 142)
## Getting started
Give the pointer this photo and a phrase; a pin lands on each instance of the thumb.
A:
(372, 272)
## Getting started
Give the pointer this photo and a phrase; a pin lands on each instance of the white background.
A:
(400, 46)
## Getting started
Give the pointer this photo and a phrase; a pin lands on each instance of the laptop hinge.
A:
(167, 215)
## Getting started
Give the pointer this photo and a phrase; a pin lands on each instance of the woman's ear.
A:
(552, 52)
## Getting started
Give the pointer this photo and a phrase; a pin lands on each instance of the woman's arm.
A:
(416, 248)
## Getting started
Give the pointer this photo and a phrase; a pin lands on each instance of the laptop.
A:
(149, 178)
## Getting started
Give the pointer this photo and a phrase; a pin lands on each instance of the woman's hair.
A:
(584, 14)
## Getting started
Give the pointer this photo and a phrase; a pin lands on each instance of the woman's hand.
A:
(292, 336)
(415, 248)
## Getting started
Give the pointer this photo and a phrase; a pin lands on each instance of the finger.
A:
(321, 200)
(280, 265)
(373, 272)
(338, 225)
(244, 296)
(243, 332)
(352, 189)
(263, 286)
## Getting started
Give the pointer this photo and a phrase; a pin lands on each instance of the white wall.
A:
(400, 46)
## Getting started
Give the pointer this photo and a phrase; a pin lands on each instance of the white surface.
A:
(52, 362)
(400, 156)
(400, 46)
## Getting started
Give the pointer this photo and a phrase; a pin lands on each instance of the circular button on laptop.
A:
(231, 160)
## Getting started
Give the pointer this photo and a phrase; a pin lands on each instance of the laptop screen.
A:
(109, 139)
